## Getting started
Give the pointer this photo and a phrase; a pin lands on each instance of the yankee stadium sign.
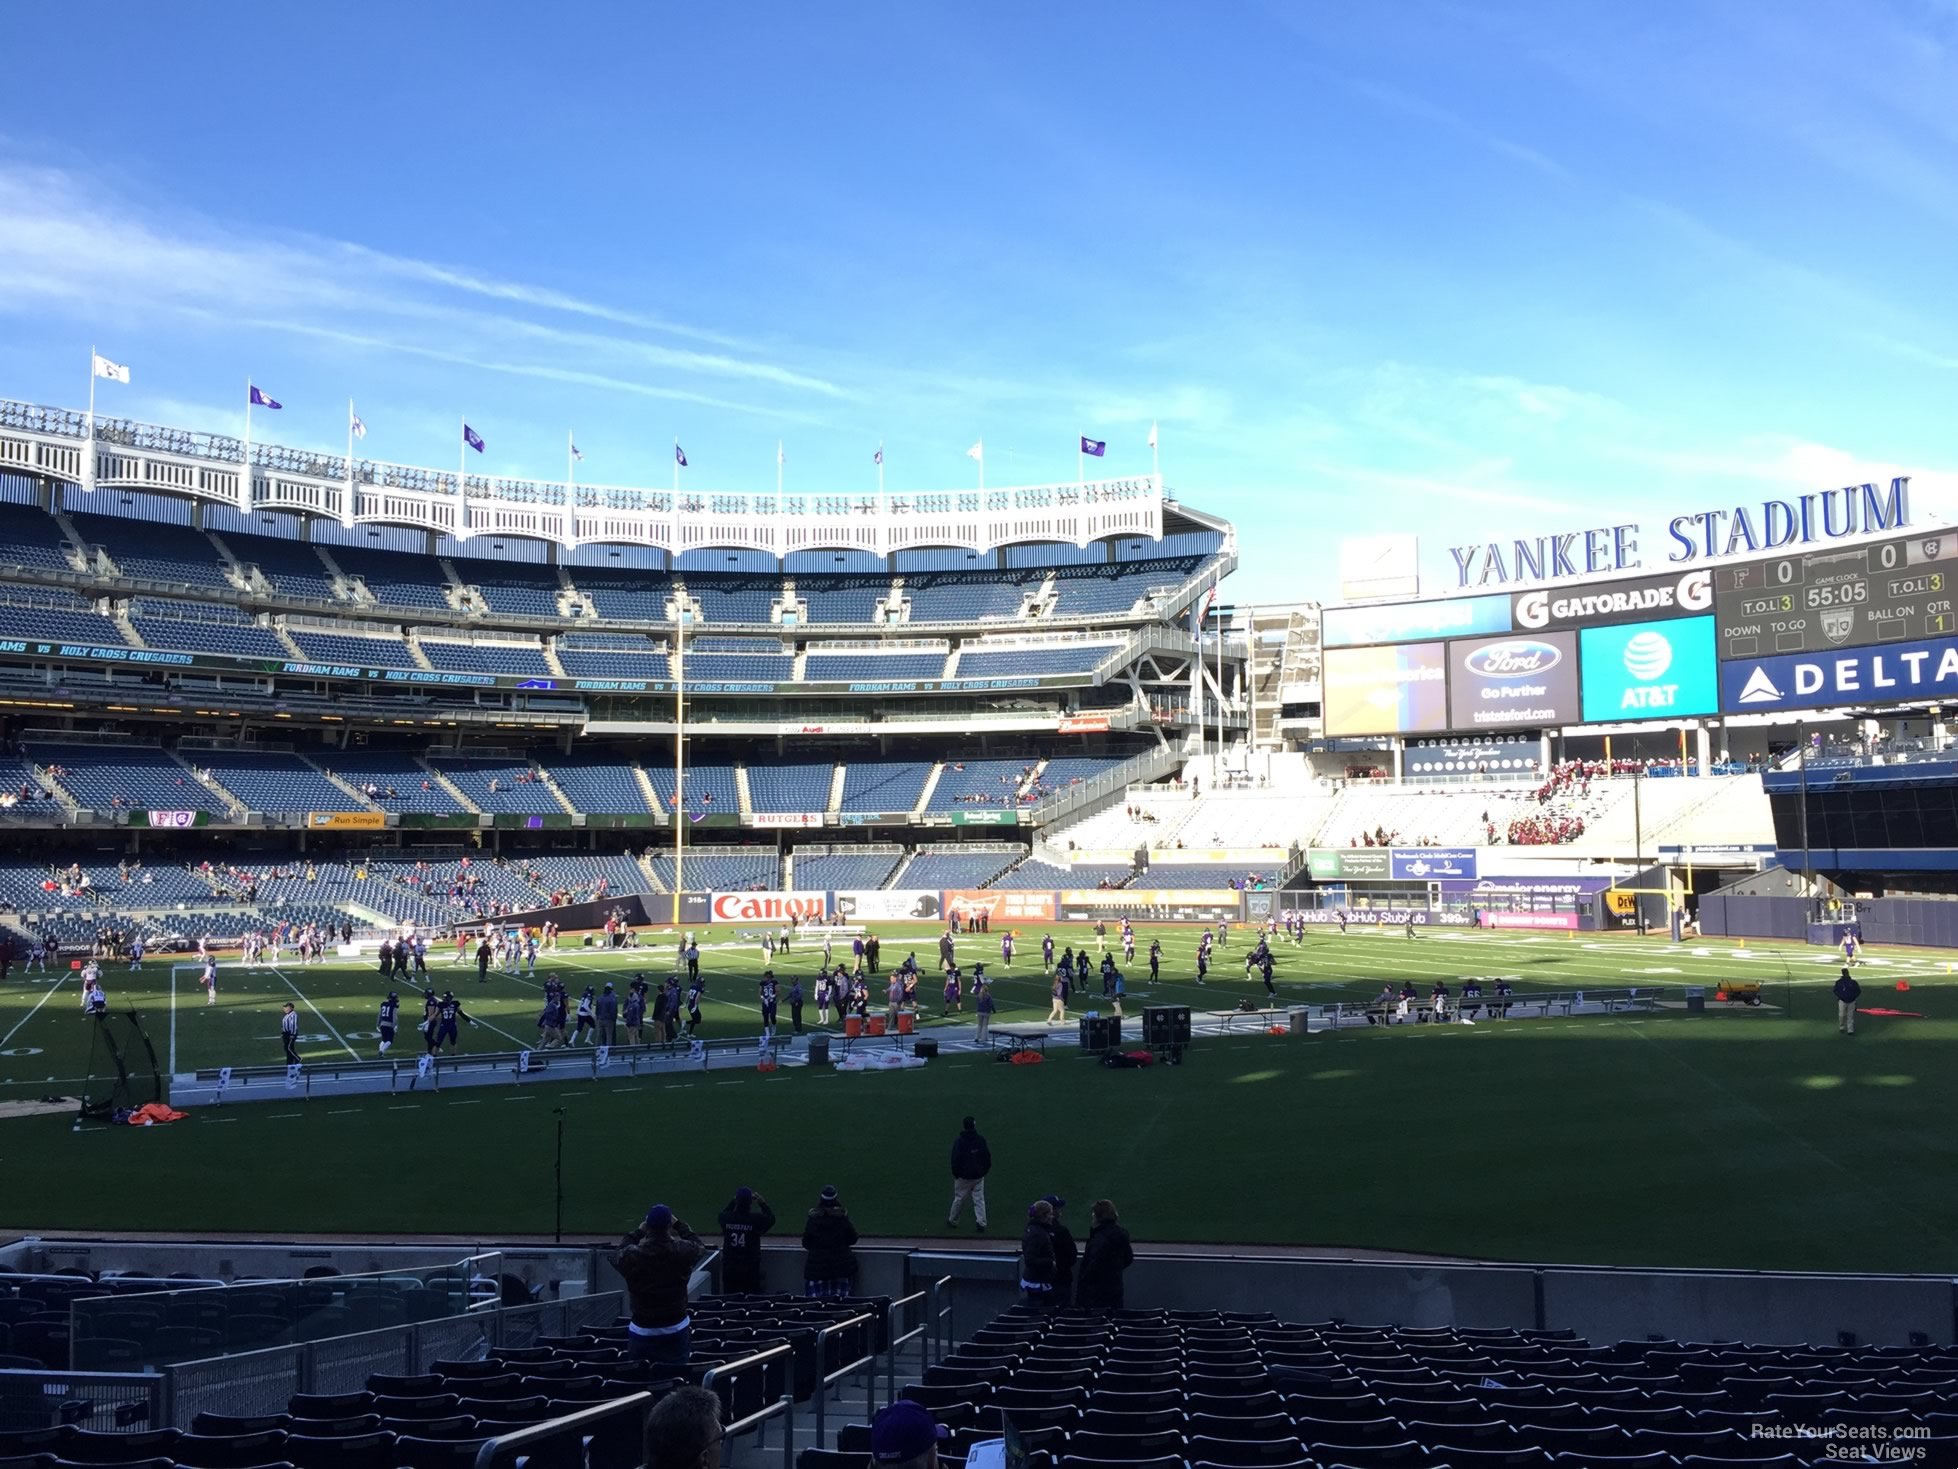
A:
(1830, 515)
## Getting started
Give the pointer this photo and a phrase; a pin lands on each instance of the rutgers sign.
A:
(767, 907)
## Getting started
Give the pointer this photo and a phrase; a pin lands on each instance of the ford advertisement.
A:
(1513, 682)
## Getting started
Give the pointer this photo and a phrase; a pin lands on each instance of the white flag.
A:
(354, 423)
(1152, 436)
(977, 451)
(115, 372)
(778, 452)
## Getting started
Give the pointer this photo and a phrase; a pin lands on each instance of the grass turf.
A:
(1750, 1138)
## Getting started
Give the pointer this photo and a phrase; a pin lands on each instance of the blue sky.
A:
(1466, 270)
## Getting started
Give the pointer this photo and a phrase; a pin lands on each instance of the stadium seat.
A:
(1245, 1453)
(84, 1446)
(362, 1451)
(330, 1405)
(229, 1451)
(237, 1425)
(414, 1452)
(1089, 1444)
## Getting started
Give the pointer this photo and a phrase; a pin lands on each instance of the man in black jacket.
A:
(972, 1160)
(743, 1223)
(1037, 1257)
(1066, 1252)
(1848, 992)
(829, 1267)
(1107, 1254)
(657, 1260)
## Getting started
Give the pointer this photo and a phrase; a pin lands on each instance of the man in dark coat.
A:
(972, 1160)
(1066, 1253)
(1037, 1257)
(829, 1267)
(657, 1260)
(1848, 992)
(1104, 1258)
(743, 1223)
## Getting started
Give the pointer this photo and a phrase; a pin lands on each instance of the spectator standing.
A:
(743, 1223)
(983, 1004)
(1106, 1256)
(972, 1160)
(1066, 1253)
(657, 1260)
(1848, 992)
(684, 1430)
(829, 1267)
(1037, 1257)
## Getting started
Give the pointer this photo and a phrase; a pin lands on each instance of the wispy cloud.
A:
(1425, 110)
(63, 244)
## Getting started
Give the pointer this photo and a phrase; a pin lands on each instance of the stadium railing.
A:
(754, 1389)
(216, 1086)
(829, 1344)
(126, 1329)
(1106, 786)
(602, 1437)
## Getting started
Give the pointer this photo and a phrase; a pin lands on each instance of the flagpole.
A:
(571, 458)
(679, 671)
(1080, 464)
(88, 466)
(880, 475)
(778, 470)
(245, 475)
(347, 509)
(1155, 458)
(462, 479)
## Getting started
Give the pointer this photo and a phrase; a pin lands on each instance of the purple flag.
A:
(260, 400)
(679, 456)
(878, 457)
(473, 439)
(1096, 447)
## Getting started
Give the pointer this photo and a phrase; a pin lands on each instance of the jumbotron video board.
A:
(1740, 637)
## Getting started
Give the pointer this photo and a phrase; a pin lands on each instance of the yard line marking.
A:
(468, 1102)
(404, 1107)
(31, 1013)
(343, 1112)
(316, 1010)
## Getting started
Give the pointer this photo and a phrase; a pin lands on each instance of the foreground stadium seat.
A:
(233, 1425)
(363, 1451)
(412, 1452)
(229, 1451)
(85, 1447)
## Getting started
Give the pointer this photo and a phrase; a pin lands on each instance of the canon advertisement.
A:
(1513, 682)
(767, 907)
(1399, 690)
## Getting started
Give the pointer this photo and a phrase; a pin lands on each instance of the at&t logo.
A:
(1648, 656)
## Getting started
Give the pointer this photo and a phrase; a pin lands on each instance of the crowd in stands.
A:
(1549, 829)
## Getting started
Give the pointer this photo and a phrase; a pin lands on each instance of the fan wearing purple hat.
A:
(1066, 1252)
(743, 1223)
(905, 1436)
(656, 1260)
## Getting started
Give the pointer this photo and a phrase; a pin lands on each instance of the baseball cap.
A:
(744, 1194)
(904, 1430)
(658, 1217)
(1055, 1199)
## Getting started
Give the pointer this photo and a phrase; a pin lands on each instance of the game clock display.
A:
(1892, 591)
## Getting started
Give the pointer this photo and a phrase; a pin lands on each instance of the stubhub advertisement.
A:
(1650, 670)
(1877, 675)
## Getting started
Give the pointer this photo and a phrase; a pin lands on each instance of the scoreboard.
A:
(1888, 591)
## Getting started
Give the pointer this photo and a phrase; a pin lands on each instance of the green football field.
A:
(1742, 1137)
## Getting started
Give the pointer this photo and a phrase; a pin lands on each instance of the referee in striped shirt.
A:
(289, 1033)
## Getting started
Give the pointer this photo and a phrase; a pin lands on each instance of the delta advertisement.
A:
(889, 905)
(1513, 682)
(1650, 670)
(1881, 675)
(1398, 690)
